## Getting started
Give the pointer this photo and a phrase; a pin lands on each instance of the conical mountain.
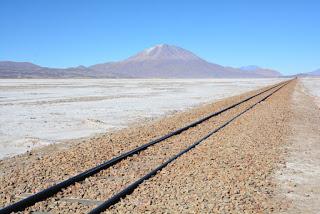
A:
(165, 61)
(164, 52)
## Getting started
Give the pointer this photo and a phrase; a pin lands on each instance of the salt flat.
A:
(312, 86)
(35, 112)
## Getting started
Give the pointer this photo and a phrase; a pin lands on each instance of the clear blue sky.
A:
(280, 34)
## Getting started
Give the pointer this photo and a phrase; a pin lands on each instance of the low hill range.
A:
(160, 61)
(315, 73)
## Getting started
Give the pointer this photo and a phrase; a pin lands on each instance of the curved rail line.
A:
(129, 189)
(47, 193)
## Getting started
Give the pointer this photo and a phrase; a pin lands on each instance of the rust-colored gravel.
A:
(228, 172)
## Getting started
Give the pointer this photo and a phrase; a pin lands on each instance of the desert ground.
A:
(39, 112)
(266, 161)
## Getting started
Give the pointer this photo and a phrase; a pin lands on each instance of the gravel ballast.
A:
(230, 171)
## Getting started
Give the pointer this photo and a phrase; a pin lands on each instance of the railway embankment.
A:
(231, 170)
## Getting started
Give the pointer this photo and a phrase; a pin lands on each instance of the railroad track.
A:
(65, 188)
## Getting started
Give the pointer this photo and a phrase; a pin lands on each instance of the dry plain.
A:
(241, 169)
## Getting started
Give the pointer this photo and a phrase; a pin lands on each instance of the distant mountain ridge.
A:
(9, 69)
(261, 71)
(169, 61)
(160, 61)
(315, 73)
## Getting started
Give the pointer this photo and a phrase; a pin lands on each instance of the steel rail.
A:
(47, 193)
(129, 189)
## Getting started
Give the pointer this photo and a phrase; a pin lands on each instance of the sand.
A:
(299, 179)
